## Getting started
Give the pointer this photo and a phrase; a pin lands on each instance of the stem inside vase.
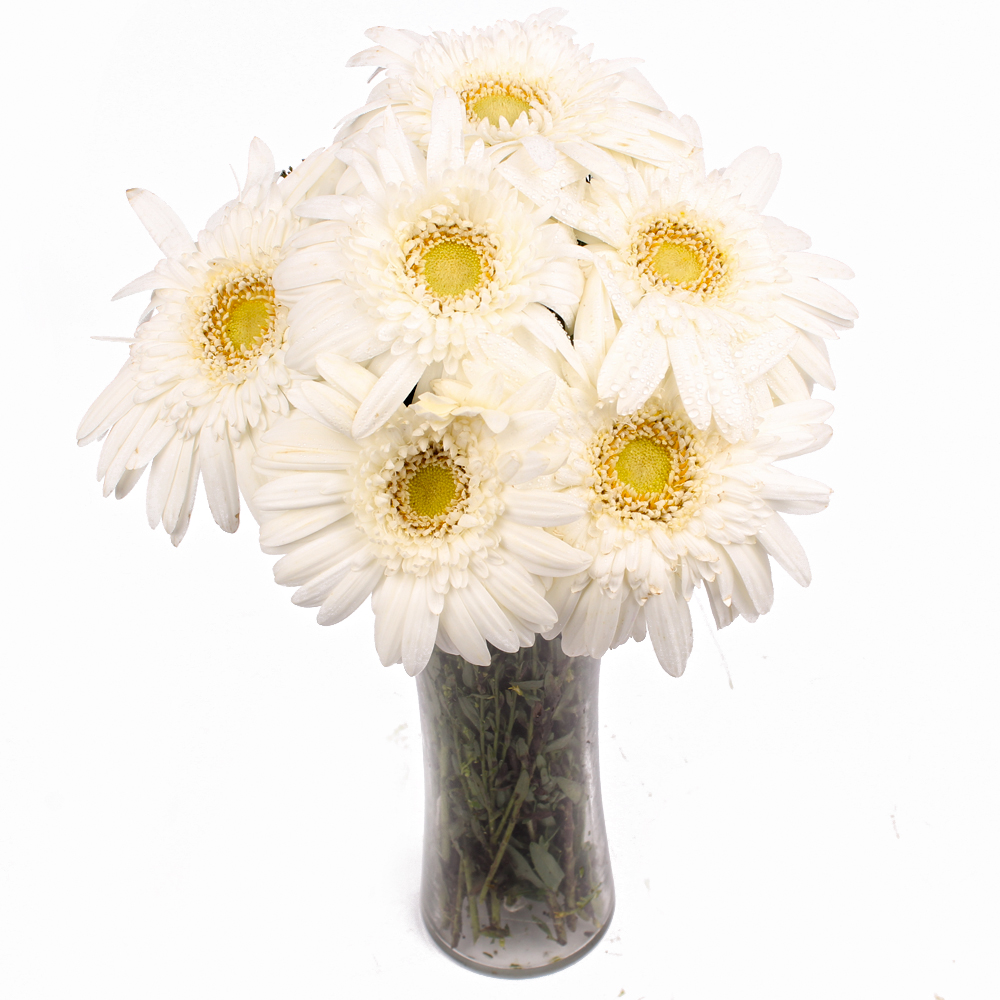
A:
(516, 878)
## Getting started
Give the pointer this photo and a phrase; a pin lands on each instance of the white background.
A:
(206, 796)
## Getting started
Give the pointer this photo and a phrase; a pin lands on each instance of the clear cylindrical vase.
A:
(516, 871)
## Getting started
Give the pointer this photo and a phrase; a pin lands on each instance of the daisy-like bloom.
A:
(707, 286)
(527, 86)
(434, 515)
(206, 370)
(670, 506)
(421, 254)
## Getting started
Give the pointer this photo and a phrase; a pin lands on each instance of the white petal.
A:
(793, 494)
(323, 403)
(388, 394)
(551, 334)
(518, 593)
(186, 471)
(145, 283)
(722, 613)
(787, 383)
(161, 478)
(754, 175)
(392, 597)
(109, 407)
(420, 629)
(540, 552)
(812, 359)
(260, 167)
(348, 595)
(669, 622)
(753, 567)
(346, 376)
(689, 373)
(404, 43)
(543, 508)
(635, 363)
(128, 480)
(161, 222)
(489, 619)
(779, 541)
(311, 558)
(219, 473)
(303, 489)
(463, 631)
(446, 145)
(602, 621)
(814, 292)
(293, 525)
(594, 329)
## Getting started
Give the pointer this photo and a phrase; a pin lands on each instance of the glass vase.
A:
(516, 873)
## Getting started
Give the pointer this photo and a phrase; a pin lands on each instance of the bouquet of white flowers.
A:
(506, 359)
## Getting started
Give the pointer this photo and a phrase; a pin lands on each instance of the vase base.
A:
(529, 953)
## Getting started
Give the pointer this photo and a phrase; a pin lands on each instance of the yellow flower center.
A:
(491, 100)
(239, 322)
(450, 263)
(647, 468)
(677, 263)
(498, 106)
(428, 491)
(249, 320)
(431, 490)
(451, 269)
(644, 465)
(676, 252)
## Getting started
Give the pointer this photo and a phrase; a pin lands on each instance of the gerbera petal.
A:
(446, 147)
(392, 597)
(517, 592)
(542, 553)
(349, 594)
(635, 363)
(292, 525)
(542, 508)
(782, 545)
(161, 222)
(180, 503)
(388, 394)
(689, 373)
(420, 629)
(669, 622)
(260, 168)
(492, 623)
(219, 473)
(753, 175)
(463, 630)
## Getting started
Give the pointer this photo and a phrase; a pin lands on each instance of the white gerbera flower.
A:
(527, 84)
(433, 515)
(706, 286)
(206, 369)
(424, 254)
(670, 506)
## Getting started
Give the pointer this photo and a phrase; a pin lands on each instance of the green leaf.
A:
(573, 789)
(523, 783)
(522, 869)
(469, 675)
(469, 710)
(546, 866)
(559, 744)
